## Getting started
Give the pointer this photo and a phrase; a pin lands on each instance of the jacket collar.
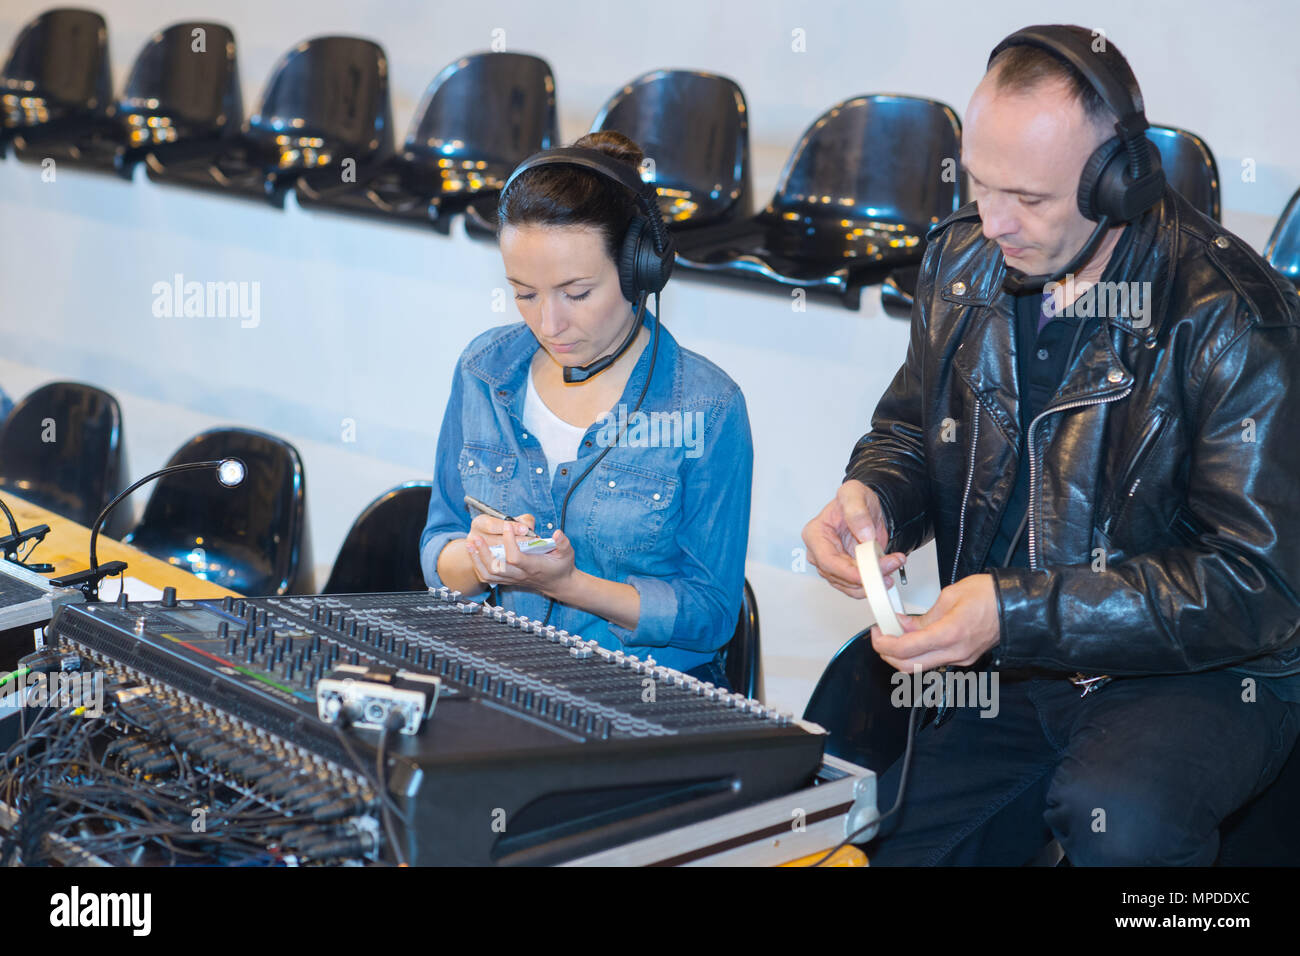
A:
(503, 364)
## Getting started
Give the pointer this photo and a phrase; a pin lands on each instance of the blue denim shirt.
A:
(666, 511)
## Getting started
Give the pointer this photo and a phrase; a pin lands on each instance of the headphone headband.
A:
(1104, 79)
(602, 164)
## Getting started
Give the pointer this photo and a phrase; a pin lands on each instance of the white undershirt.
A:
(559, 440)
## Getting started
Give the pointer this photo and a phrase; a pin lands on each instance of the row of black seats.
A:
(61, 447)
(851, 208)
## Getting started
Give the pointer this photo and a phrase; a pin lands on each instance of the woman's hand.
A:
(549, 574)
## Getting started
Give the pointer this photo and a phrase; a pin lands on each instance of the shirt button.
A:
(470, 463)
(525, 435)
(611, 484)
(539, 471)
(656, 496)
(1042, 353)
(549, 526)
(499, 468)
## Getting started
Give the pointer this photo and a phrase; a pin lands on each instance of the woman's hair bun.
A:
(615, 145)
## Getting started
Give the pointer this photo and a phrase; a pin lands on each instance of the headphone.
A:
(646, 252)
(1123, 176)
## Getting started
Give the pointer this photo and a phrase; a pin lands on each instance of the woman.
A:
(653, 498)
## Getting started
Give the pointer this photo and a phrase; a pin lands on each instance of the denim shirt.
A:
(666, 511)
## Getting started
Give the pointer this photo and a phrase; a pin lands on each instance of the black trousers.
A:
(1140, 772)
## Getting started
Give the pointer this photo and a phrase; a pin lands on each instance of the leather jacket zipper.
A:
(970, 475)
(1033, 462)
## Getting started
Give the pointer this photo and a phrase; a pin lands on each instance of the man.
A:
(1108, 493)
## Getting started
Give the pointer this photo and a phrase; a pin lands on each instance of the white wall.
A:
(364, 321)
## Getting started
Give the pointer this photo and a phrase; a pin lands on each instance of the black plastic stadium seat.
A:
(326, 102)
(852, 701)
(178, 100)
(1283, 249)
(382, 549)
(860, 190)
(479, 118)
(1189, 167)
(56, 82)
(61, 448)
(694, 126)
(1188, 164)
(743, 656)
(250, 538)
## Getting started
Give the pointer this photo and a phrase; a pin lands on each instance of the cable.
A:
(21, 672)
(898, 799)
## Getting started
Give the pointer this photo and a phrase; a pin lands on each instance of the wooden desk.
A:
(67, 547)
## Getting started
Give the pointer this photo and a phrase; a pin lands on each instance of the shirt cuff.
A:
(658, 616)
(429, 559)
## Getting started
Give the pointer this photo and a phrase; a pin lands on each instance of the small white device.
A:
(526, 546)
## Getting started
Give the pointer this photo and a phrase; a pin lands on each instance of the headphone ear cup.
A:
(629, 256)
(1101, 184)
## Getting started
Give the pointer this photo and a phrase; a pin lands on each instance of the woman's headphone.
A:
(1123, 176)
(646, 252)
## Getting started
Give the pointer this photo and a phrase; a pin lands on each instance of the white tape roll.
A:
(884, 602)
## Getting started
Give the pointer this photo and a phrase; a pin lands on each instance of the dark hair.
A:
(1021, 68)
(571, 196)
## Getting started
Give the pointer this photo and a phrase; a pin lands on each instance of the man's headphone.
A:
(646, 258)
(1123, 176)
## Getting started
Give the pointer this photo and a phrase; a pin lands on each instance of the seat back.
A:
(248, 538)
(176, 92)
(61, 448)
(481, 117)
(1283, 249)
(327, 99)
(1189, 167)
(382, 550)
(852, 701)
(58, 68)
(694, 127)
(870, 168)
(743, 657)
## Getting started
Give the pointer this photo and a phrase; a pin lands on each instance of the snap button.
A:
(525, 435)
(1114, 375)
(959, 288)
(656, 496)
(499, 468)
(1042, 354)
(539, 471)
(1222, 242)
(471, 462)
(549, 526)
(1151, 343)
(611, 484)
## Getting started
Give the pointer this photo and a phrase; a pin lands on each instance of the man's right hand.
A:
(831, 538)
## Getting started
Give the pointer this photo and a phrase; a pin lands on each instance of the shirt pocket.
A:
(485, 474)
(629, 508)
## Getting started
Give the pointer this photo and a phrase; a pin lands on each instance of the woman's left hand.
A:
(545, 573)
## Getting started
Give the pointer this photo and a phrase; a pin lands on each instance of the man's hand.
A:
(961, 626)
(831, 538)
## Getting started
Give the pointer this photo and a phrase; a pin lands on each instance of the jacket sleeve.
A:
(1231, 591)
(697, 608)
(890, 459)
(448, 518)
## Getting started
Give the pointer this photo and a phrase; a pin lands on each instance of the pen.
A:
(493, 513)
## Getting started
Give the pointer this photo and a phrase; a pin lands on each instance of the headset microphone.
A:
(1016, 281)
(582, 373)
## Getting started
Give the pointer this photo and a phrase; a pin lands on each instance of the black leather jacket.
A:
(1164, 475)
